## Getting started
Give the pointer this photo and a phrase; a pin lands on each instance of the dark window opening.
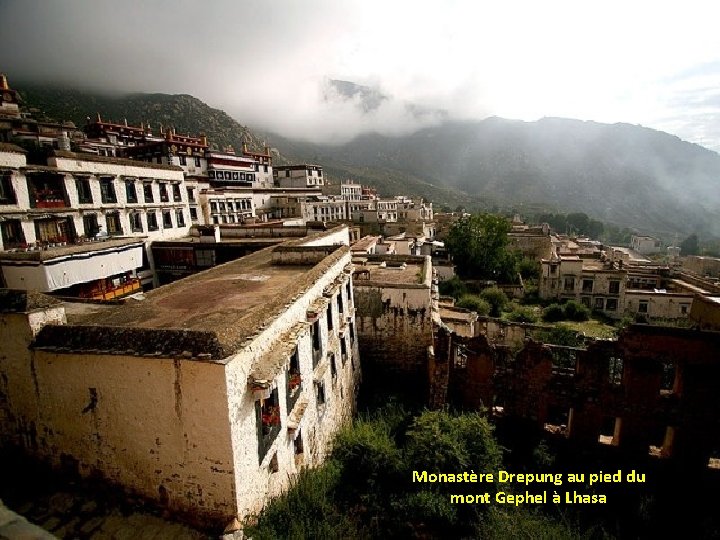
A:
(130, 192)
(136, 222)
(615, 371)
(12, 233)
(167, 219)
(7, 193)
(180, 217)
(90, 225)
(164, 193)
(107, 190)
(329, 317)
(147, 192)
(176, 193)
(83, 190)
(614, 287)
(152, 221)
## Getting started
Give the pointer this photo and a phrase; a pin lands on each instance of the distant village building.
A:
(646, 245)
(299, 176)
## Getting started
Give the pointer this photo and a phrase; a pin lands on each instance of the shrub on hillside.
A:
(553, 313)
(522, 315)
(454, 287)
(574, 311)
(497, 300)
(474, 303)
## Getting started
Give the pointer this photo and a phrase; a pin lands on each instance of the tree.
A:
(690, 246)
(497, 300)
(478, 244)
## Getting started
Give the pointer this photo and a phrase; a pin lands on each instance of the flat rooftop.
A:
(392, 273)
(208, 315)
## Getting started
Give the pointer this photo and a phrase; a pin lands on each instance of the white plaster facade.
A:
(187, 428)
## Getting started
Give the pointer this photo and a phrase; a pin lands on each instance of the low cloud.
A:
(271, 64)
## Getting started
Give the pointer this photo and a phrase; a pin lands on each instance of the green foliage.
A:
(559, 335)
(569, 311)
(528, 268)
(307, 510)
(478, 243)
(439, 441)
(522, 315)
(474, 303)
(575, 311)
(454, 287)
(690, 246)
(553, 313)
(365, 489)
(497, 300)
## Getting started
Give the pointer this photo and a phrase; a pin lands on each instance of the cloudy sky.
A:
(269, 62)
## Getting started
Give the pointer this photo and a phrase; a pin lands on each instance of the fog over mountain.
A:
(327, 71)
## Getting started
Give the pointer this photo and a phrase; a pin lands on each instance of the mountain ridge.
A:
(620, 173)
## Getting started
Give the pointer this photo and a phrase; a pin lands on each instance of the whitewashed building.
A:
(78, 224)
(208, 396)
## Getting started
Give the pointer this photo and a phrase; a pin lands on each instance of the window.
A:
(183, 160)
(107, 190)
(614, 286)
(191, 194)
(235, 175)
(611, 304)
(684, 308)
(267, 414)
(587, 285)
(180, 217)
(320, 392)
(152, 221)
(147, 192)
(167, 219)
(7, 193)
(114, 228)
(341, 308)
(265, 168)
(227, 174)
(159, 159)
(553, 269)
(130, 193)
(343, 350)
(193, 214)
(333, 367)
(135, 222)
(599, 303)
(52, 230)
(222, 207)
(164, 193)
(213, 207)
(176, 193)
(460, 357)
(329, 317)
(643, 306)
(90, 225)
(197, 161)
(83, 190)
(615, 371)
(569, 284)
(12, 233)
(211, 174)
(585, 300)
(667, 379)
